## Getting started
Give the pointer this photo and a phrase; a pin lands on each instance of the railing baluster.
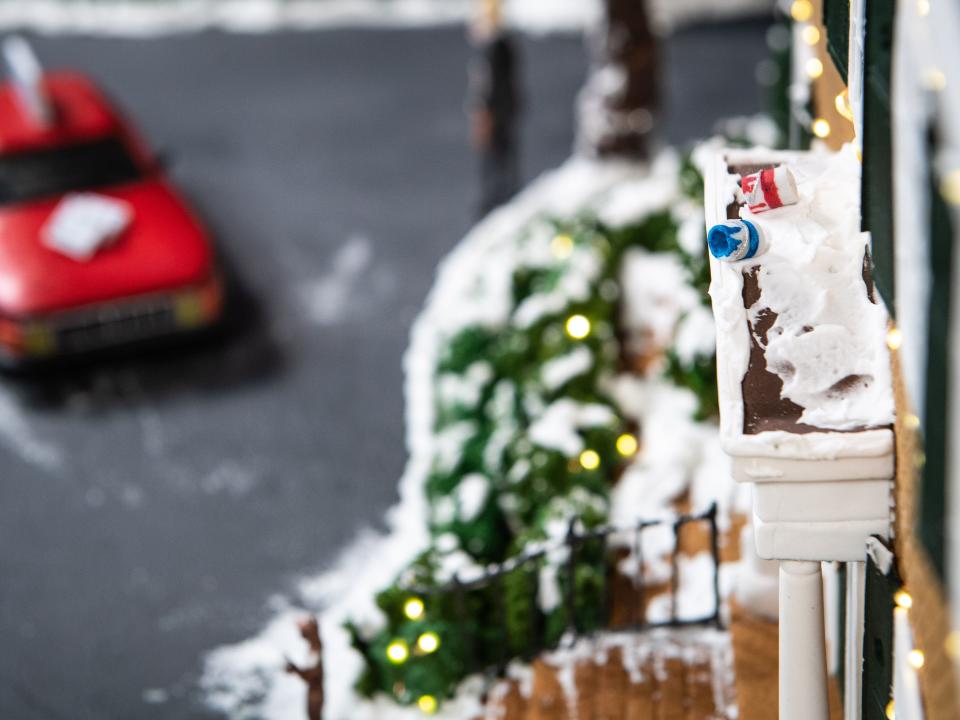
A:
(675, 570)
(463, 618)
(605, 570)
(534, 575)
(501, 607)
(640, 596)
(493, 582)
(715, 551)
(571, 575)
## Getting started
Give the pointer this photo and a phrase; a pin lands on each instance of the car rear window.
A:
(37, 174)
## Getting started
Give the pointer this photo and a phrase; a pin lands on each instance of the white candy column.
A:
(853, 672)
(803, 669)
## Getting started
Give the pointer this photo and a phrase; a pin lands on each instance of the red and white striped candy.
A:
(769, 189)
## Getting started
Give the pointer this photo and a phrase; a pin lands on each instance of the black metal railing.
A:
(585, 580)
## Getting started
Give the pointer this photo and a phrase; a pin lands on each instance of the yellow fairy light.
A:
(911, 421)
(923, 8)
(398, 652)
(894, 338)
(801, 10)
(578, 327)
(950, 187)
(814, 68)
(413, 608)
(934, 79)
(427, 704)
(428, 642)
(891, 714)
(952, 645)
(842, 103)
(627, 445)
(811, 35)
(916, 659)
(561, 246)
(820, 128)
(589, 460)
(903, 599)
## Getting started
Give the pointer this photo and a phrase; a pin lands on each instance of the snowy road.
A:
(149, 507)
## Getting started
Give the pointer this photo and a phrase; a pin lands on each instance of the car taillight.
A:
(30, 338)
(199, 305)
(11, 337)
(38, 339)
(211, 297)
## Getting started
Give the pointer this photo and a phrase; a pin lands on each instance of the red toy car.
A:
(157, 276)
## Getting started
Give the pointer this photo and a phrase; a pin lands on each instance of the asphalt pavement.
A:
(152, 503)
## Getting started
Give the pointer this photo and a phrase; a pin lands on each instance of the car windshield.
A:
(26, 176)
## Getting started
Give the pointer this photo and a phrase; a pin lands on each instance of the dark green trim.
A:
(836, 19)
(877, 183)
(878, 640)
(931, 522)
(779, 92)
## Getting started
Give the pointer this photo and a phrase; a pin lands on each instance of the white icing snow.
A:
(464, 388)
(559, 371)
(548, 587)
(557, 427)
(696, 335)
(327, 298)
(21, 438)
(472, 493)
(636, 197)
(697, 598)
(690, 235)
(448, 443)
(643, 650)
(83, 223)
(827, 328)
(574, 285)
(657, 294)
(880, 554)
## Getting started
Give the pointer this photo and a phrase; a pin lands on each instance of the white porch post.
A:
(853, 669)
(803, 664)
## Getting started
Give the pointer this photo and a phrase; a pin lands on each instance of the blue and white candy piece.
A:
(734, 240)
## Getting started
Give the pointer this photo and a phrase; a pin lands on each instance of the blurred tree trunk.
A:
(617, 105)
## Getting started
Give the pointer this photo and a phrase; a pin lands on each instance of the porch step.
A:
(656, 675)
